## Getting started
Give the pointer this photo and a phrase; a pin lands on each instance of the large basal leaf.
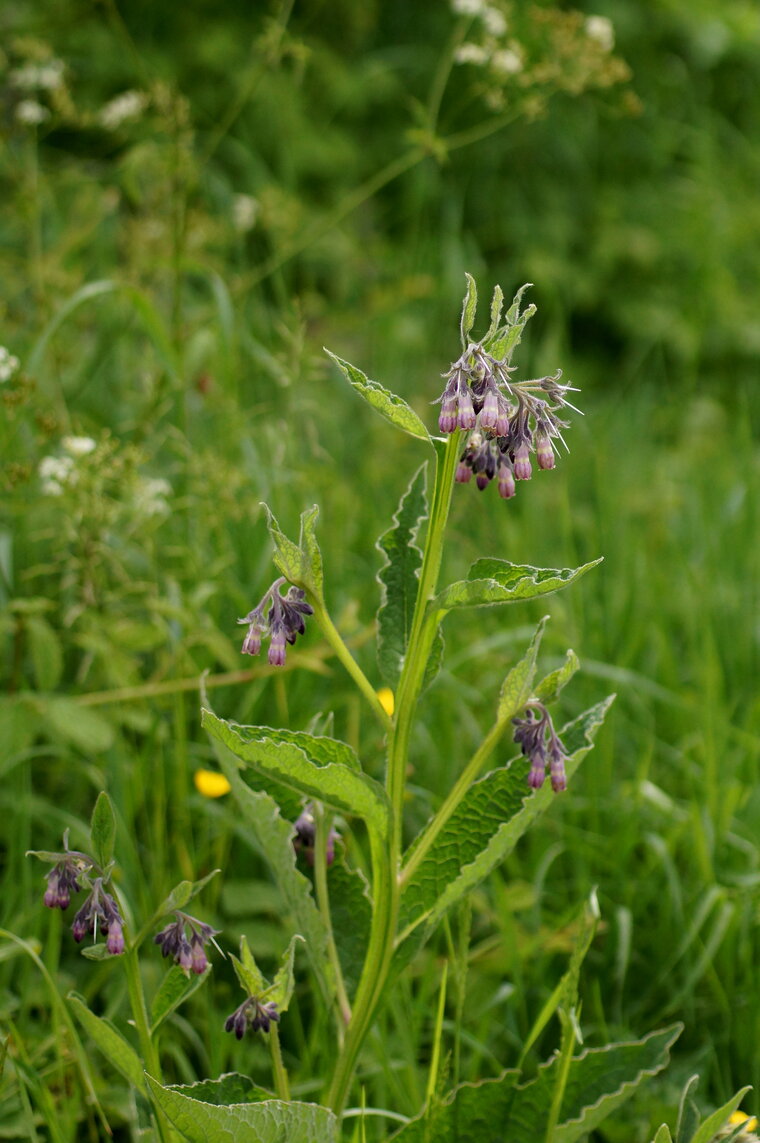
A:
(268, 1121)
(316, 767)
(267, 831)
(119, 1053)
(400, 579)
(351, 914)
(389, 405)
(491, 581)
(500, 1111)
(490, 819)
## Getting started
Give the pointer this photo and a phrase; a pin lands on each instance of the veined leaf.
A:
(469, 309)
(293, 759)
(517, 687)
(492, 1111)
(269, 1121)
(390, 406)
(174, 989)
(229, 1088)
(284, 981)
(351, 913)
(103, 829)
(551, 685)
(492, 581)
(250, 977)
(118, 1051)
(301, 563)
(501, 341)
(268, 832)
(490, 819)
(719, 1118)
(400, 578)
(310, 548)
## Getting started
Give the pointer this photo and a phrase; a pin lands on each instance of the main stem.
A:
(386, 858)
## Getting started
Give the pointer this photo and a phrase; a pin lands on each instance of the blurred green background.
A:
(282, 177)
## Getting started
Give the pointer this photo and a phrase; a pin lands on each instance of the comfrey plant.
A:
(358, 939)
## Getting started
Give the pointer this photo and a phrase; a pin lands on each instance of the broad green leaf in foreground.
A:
(229, 1088)
(400, 579)
(318, 772)
(119, 1053)
(268, 1121)
(491, 581)
(389, 405)
(490, 819)
(493, 1111)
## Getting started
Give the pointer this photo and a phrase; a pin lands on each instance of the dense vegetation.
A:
(283, 177)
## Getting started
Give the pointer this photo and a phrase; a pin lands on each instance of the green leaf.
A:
(183, 893)
(502, 342)
(88, 731)
(688, 1111)
(301, 564)
(263, 827)
(119, 1053)
(250, 977)
(493, 815)
(315, 767)
(516, 688)
(390, 406)
(497, 302)
(284, 981)
(47, 656)
(492, 1111)
(551, 685)
(351, 914)
(399, 578)
(174, 989)
(469, 309)
(492, 581)
(270, 1121)
(229, 1088)
(103, 830)
(719, 1118)
(663, 1135)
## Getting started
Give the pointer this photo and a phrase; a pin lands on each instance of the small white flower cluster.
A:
(601, 29)
(151, 496)
(31, 113)
(245, 209)
(58, 471)
(126, 106)
(503, 58)
(8, 364)
(38, 76)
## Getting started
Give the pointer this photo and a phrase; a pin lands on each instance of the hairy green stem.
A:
(452, 800)
(281, 1082)
(148, 1048)
(334, 638)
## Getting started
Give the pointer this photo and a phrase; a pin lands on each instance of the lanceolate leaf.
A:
(284, 981)
(269, 1121)
(310, 548)
(490, 819)
(103, 829)
(174, 989)
(469, 309)
(301, 563)
(183, 893)
(294, 759)
(501, 342)
(119, 1053)
(517, 687)
(393, 408)
(267, 831)
(497, 581)
(600, 1080)
(551, 685)
(400, 579)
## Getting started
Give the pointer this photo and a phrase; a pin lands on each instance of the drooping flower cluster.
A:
(539, 742)
(278, 617)
(185, 940)
(252, 1014)
(305, 837)
(73, 872)
(100, 913)
(506, 420)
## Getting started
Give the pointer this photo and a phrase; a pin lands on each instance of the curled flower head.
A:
(253, 1014)
(305, 837)
(184, 940)
(508, 420)
(538, 740)
(278, 617)
(63, 880)
(100, 911)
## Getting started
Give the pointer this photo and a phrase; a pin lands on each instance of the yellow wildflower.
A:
(385, 694)
(210, 783)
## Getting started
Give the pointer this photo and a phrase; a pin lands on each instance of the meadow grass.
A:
(198, 375)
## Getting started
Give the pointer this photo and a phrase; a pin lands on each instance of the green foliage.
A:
(399, 578)
(498, 581)
(394, 408)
